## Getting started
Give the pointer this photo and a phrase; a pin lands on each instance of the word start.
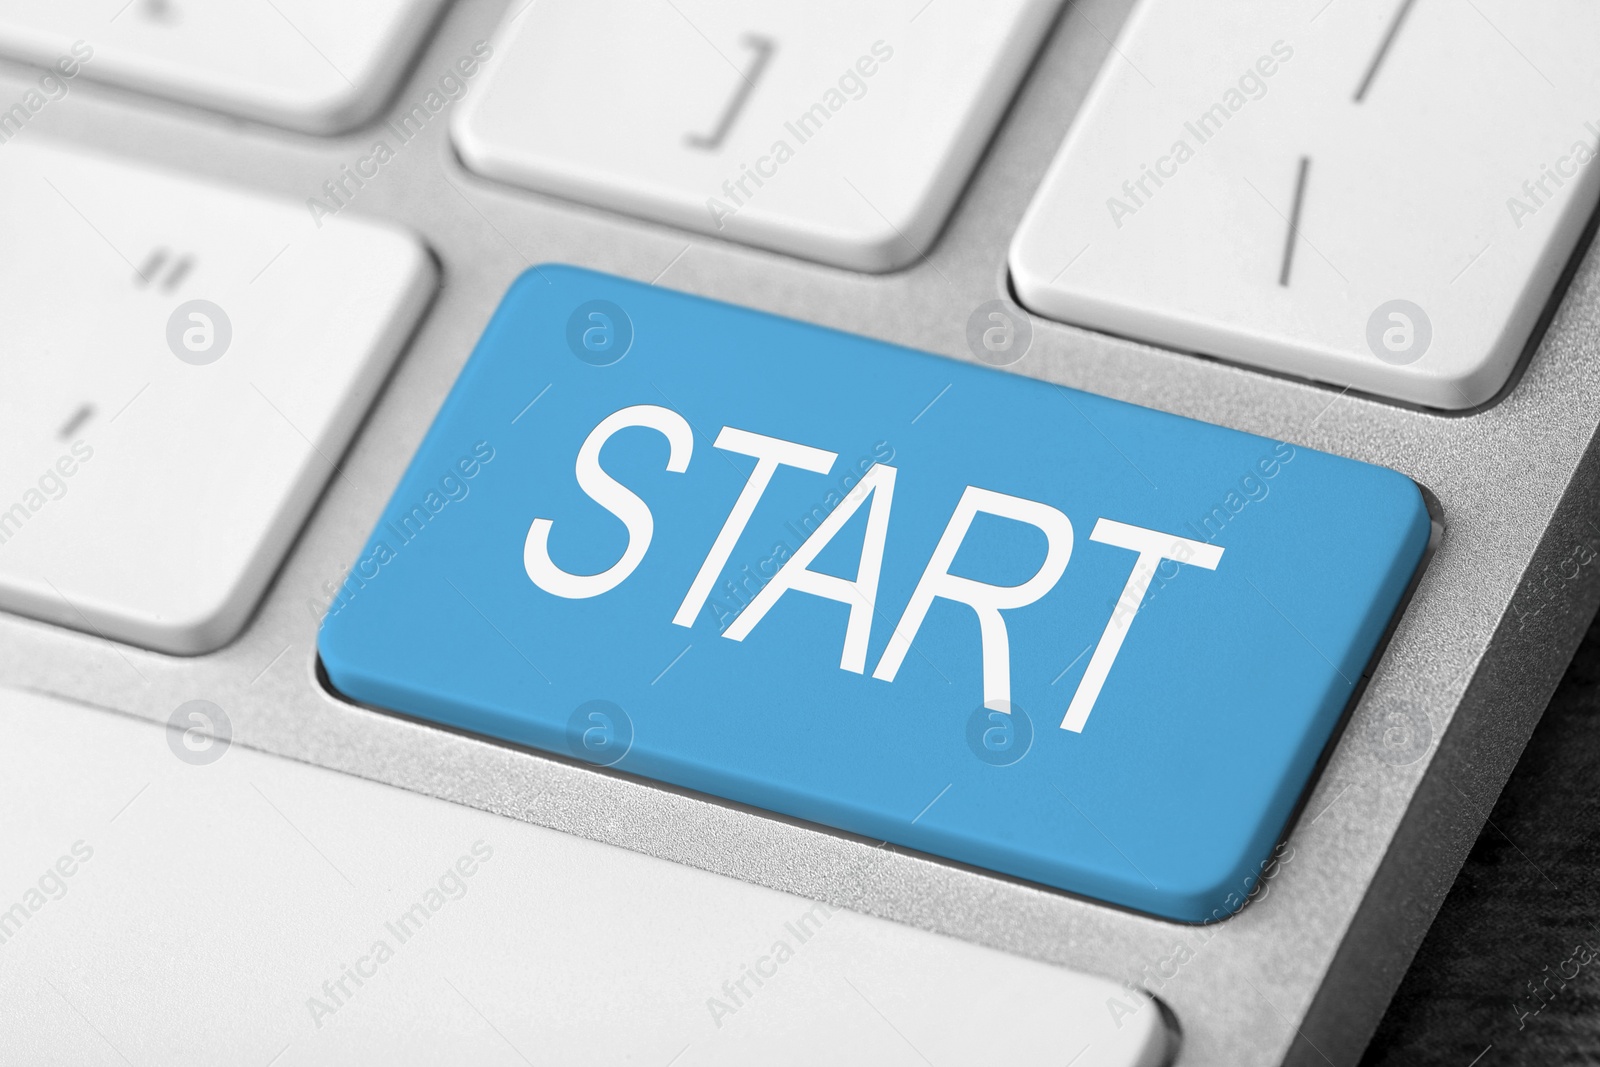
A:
(860, 594)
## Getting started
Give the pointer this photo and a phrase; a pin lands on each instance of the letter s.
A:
(615, 498)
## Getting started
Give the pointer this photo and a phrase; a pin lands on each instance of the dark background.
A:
(1526, 908)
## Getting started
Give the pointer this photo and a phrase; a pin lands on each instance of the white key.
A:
(147, 494)
(309, 65)
(1440, 185)
(838, 130)
(286, 905)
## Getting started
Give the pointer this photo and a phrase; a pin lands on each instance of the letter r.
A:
(985, 599)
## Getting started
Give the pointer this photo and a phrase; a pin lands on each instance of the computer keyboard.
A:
(1153, 680)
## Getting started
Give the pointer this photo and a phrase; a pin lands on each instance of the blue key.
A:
(1009, 624)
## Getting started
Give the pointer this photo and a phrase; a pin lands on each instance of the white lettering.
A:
(615, 498)
(770, 453)
(1153, 547)
(987, 600)
(861, 594)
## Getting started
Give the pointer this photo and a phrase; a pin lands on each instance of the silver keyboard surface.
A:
(1303, 973)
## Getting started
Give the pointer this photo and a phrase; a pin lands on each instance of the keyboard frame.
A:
(1302, 974)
